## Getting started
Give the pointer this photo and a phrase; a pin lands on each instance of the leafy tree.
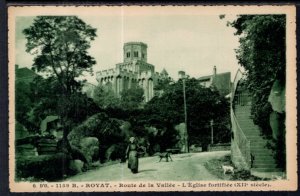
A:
(60, 44)
(23, 104)
(106, 98)
(163, 83)
(203, 105)
(262, 54)
(47, 100)
(132, 98)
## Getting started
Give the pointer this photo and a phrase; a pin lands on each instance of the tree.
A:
(60, 44)
(23, 104)
(46, 100)
(132, 98)
(106, 98)
(262, 54)
(203, 105)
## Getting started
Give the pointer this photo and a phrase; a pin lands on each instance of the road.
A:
(184, 167)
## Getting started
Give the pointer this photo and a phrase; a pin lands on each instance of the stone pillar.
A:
(114, 85)
(130, 83)
(146, 91)
(121, 84)
(149, 89)
(118, 85)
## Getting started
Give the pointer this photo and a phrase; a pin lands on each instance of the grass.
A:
(214, 166)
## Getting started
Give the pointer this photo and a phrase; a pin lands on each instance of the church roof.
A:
(135, 43)
(222, 82)
(205, 78)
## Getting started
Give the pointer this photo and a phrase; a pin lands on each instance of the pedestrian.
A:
(132, 155)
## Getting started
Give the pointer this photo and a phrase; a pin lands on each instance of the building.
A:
(132, 72)
(89, 89)
(220, 81)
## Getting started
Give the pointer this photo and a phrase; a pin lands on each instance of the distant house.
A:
(219, 81)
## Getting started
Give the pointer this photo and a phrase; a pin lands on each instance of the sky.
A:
(192, 43)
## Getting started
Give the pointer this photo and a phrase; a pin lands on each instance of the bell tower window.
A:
(136, 54)
(128, 54)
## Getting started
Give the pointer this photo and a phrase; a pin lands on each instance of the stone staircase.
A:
(263, 164)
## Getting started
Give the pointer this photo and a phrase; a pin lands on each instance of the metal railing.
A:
(239, 137)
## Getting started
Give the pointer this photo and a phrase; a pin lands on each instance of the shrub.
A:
(43, 167)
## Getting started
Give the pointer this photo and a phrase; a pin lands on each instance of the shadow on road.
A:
(146, 170)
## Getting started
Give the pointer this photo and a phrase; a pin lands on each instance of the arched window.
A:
(136, 54)
(128, 54)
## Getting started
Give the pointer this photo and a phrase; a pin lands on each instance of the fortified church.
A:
(132, 72)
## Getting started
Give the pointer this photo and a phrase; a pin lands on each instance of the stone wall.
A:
(218, 147)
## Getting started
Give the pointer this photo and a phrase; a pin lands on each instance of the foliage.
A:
(163, 83)
(47, 100)
(214, 166)
(203, 105)
(106, 98)
(107, 130)
(43, 167)
(262, 54)
(60, 45)
(132, 98)
(24, 105)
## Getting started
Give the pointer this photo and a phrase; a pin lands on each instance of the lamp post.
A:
(183, 77)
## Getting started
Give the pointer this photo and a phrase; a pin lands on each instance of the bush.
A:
(43, 167)
(107, 130)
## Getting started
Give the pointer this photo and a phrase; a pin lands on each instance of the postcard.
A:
(152, 98)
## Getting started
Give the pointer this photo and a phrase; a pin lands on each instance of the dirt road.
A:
(184, 167)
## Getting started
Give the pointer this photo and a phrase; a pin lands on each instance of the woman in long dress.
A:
(132, 154)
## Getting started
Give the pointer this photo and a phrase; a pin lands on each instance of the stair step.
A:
(261, 151)
(253, 137)
(264, 165)
(267, 154)
(264, 161)
(262, 156)
(246, 125)
(258, 144)
(250, 130)
(266, 170)
(252, 134)
(254, 130)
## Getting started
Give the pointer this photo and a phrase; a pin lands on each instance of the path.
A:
(184, 167)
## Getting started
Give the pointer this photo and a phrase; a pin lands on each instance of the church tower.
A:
(135, 51)
(132, 72)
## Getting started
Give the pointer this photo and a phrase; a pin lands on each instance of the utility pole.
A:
(183, 77)
(212, 131)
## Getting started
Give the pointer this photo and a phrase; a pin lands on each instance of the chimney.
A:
(215, 71)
